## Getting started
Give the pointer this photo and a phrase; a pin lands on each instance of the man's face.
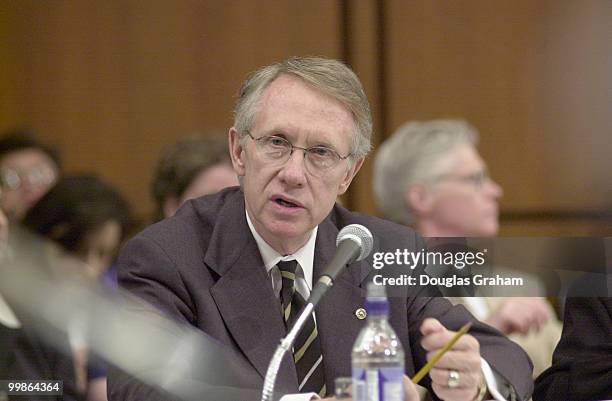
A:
(285, 201)
(99, 247)
(463, 202)
(26, 176)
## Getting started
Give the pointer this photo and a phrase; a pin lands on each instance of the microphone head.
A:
(360, 235)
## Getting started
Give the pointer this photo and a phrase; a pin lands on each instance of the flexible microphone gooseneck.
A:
(354, 243)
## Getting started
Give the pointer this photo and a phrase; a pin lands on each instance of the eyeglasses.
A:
(477, 179)
(38, 176)
(318, 159)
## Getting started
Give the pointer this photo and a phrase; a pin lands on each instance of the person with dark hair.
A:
(196, 166)
(23, 353)
(28, 168)
(88, 219)
(85, 216)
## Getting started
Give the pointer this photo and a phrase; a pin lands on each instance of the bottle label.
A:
(380, 384)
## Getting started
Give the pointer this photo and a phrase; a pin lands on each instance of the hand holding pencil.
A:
(456, 376)
(454, 364)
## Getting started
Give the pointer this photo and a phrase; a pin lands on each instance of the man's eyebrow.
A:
(324, 142)
(279, 131)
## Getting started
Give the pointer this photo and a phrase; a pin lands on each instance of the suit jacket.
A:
(202, 267)
(24, 356)
(538, 345)
(25, 352)
(582, 362)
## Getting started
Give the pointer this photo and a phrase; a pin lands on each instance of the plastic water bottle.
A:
(378, 356)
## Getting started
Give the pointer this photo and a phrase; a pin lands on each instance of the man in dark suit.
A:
(582, 361)
(224, 262)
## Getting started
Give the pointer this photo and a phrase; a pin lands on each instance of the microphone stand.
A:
(323, 284)
(354, 242)
(284, 346)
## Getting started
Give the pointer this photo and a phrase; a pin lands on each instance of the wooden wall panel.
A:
(113, 82)
(532, 76)
(364, 53)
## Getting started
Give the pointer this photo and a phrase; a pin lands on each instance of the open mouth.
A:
(285, 203)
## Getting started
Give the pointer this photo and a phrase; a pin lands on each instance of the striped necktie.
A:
(307, 347)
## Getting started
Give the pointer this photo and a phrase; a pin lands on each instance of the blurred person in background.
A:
(196, 166)
(9, 324)
(28, 169)
(23, 353)
(429, 175)
(88, 219)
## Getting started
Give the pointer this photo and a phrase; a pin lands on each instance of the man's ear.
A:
(350, 174)
(236, 152)
(418, 198)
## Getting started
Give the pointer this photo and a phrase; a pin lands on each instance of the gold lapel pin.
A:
(361, 313)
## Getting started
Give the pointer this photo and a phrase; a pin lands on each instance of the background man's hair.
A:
(182, 162)
(415, 154)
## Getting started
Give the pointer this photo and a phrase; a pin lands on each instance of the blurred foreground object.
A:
(180, 361)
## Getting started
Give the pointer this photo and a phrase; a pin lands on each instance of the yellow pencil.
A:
(425, 369)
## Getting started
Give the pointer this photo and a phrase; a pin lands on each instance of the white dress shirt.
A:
(305, 258)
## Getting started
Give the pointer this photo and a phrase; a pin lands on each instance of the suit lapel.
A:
(243, 293)
(251, 312)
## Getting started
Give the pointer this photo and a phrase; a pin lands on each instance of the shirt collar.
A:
(304, 255)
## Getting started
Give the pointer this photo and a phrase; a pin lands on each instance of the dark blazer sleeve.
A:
(145, 270)
(505, 357)
(32, 359)
(582, 362)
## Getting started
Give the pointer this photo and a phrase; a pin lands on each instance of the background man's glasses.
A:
(38, 176)
(318, 159)
(477, 179)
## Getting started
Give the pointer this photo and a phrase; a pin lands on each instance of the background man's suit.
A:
(202, 267)
(582, 362)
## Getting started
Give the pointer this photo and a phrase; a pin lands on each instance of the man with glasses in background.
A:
(28, 169)
(430, 176)
(232, 262)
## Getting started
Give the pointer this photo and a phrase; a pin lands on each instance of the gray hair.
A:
(331, 77)
(415, 154)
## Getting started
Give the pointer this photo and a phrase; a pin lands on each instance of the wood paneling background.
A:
(534, 77)
(113, 82)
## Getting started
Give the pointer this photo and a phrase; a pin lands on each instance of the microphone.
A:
(354, 243)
